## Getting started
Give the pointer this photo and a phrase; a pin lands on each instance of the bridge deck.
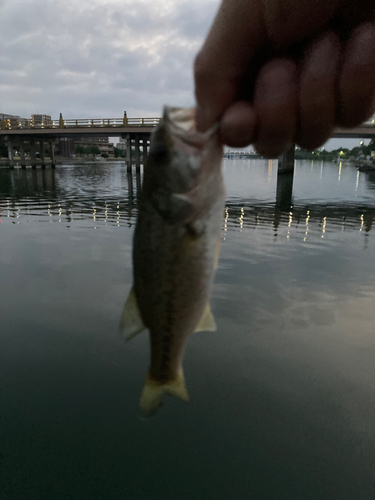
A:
(118, 126)
(111, 131)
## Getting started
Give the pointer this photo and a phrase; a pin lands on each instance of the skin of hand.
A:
(275, 72)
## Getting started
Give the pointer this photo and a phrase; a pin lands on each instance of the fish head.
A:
(183, 165)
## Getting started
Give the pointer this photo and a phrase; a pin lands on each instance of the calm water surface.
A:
(282, 395)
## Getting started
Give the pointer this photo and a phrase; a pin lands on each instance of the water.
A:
(282, 395)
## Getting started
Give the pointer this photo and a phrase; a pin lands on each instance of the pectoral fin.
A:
(131, 322)
(207, 321)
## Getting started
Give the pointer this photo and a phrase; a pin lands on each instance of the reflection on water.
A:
(282, 395)
(64, 195)
(93, 196)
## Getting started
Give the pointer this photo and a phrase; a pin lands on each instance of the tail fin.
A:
(152, 394)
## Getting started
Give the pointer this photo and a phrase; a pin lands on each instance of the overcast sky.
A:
(97, 58)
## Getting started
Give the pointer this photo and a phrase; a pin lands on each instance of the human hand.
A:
(276, 72)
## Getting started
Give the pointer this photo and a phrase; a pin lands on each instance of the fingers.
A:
(292, 100)
(290, 21)
(356, 81)
(275, 105)
(235, 37)
(317, 91)
(237, 127)
(243, 30)
(324, 96)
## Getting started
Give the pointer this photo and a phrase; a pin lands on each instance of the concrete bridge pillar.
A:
(52, 153)
(138, 182)
(284, 192)
(128, 153)
(22, 154)
(286, 161)
(145, 149)
(42, 153)
(10, 151)
(130, 185)
(9, 144)
(33, 153)
(137, 154)
(285, 174)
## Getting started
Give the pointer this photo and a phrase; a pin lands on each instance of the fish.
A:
(176, 248)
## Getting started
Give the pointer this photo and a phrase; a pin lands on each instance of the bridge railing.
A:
(12, 124)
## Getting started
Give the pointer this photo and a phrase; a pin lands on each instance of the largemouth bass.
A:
(175, 249)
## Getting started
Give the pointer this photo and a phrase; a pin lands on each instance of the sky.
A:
(98, 58)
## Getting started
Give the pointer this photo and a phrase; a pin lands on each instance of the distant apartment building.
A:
(4, 116)
(41, 120)
(12, 120)
(121, 144)
(100, 142)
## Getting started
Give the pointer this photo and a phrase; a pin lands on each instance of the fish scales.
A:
(175, 249)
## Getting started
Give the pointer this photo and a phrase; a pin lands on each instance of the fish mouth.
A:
(182, 123)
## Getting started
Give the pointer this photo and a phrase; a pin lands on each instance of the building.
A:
(12, 120)
(4, 116)
(100, 142)
(122, 144)
(40, 120)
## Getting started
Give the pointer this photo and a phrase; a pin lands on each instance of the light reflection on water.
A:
(108, 195)
(282, 395)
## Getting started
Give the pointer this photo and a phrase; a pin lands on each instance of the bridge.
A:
(31, 139)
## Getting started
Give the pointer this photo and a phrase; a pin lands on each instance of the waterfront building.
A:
(100, 142)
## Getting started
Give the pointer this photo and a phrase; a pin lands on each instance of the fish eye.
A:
(159, 153)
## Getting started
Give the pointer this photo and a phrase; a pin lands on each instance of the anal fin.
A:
(131, 322)
(207, 321)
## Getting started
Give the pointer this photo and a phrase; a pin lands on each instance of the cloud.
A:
(96, 58)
